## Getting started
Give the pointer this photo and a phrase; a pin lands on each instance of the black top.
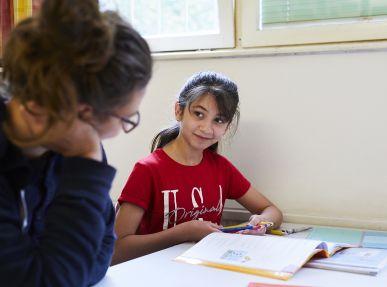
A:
(56, 218)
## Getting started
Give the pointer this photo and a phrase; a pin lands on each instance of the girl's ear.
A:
(33, 108)
(33, 118)
(178, 112)
(85, 112)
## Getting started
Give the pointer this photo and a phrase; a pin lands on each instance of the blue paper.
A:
(373, 239)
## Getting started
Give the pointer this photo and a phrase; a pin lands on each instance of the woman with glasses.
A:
(72, 76)
(177, 193)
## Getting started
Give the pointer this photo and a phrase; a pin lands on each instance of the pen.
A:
(295, 230)
(236, 228)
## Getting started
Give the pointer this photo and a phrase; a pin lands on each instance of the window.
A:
(181, 25)
(295, 22)
(171, 25)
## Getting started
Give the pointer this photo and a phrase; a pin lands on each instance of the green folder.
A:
(340, 235)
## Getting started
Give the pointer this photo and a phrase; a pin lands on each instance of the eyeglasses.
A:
(128, 123)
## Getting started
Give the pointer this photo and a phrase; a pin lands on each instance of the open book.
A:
(357, 260)
(271, 256)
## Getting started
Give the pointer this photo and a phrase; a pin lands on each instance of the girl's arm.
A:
(261, 208)
(129, 245)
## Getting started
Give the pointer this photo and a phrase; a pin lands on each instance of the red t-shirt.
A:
(172, 193)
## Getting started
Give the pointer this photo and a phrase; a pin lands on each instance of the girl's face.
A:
(201, 124)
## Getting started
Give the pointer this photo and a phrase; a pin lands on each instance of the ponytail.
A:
(165, 136)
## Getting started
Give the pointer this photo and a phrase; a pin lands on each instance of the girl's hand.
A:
(256, 219)
(258, 230)
(195, 230)
(261, 225)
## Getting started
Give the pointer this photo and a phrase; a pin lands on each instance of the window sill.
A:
(274, 51)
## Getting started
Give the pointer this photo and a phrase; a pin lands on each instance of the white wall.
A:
(312, 135)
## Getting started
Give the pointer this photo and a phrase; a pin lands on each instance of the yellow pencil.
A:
(235, 226)
(277, 232)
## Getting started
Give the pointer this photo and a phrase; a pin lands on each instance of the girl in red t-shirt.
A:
(177, 193)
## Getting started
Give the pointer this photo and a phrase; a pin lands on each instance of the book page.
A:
(274, 253)
(333, 247)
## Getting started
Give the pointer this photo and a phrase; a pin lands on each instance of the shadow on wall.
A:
(308, 179)
(257, 150)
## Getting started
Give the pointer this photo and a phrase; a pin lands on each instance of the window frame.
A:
(297, 34)
(224, 39)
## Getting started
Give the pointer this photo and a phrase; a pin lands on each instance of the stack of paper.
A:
(357, 260)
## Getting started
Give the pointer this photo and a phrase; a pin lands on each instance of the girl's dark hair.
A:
(220, 87)
(71, 53)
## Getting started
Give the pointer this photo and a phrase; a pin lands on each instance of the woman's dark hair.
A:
(220, 87)
(71, 53)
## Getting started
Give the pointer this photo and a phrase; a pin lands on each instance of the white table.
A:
(158, 269)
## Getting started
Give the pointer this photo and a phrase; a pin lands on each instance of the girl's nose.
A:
(206, 127)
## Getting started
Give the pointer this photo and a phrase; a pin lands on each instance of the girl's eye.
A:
(198, 114)
(220, 120)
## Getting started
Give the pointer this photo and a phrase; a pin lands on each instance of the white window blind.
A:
(296, 11)
(297, 22)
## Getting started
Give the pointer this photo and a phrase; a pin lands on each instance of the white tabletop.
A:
(159, 269)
